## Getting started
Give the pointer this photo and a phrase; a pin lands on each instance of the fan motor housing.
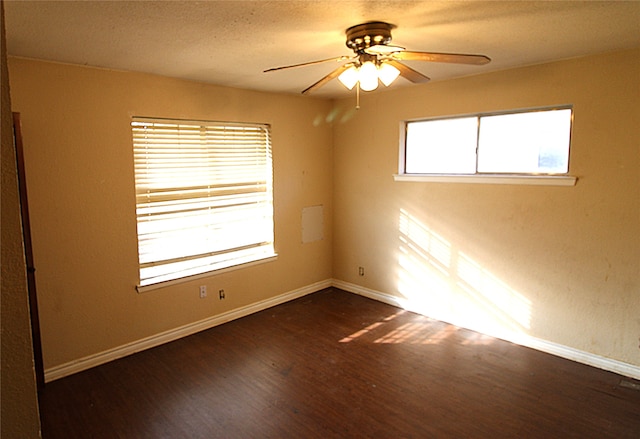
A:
(365, 35)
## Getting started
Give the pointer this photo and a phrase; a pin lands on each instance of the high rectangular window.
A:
(203, 196)
(524, 142)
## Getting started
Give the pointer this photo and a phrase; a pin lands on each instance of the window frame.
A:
(207, 140)
(546, 179)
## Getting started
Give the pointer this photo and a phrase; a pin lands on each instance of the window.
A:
(203, 196)
(516, 144)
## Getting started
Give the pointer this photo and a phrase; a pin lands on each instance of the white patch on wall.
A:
(312, 224)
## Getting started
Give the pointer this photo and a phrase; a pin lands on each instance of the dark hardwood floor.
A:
(337, 365)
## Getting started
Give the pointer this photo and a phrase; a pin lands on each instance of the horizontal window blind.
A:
(203, 196)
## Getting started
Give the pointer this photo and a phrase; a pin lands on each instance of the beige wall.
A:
(79, 165)
(19, 406)
(556, 263)
(560, 264)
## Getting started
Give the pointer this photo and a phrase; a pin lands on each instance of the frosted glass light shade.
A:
(368, 76)
(349, 77)
(387, 73)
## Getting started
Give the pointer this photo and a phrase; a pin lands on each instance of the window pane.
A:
(441, 146)
(534, 142)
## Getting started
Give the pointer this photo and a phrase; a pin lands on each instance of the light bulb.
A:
(368, 76)
(387, 73)
(349, 77)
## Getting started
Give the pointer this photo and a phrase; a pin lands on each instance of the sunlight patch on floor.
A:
(371, 328)
(420, 330)
(417, 333)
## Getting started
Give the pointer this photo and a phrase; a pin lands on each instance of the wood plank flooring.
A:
(337, 365)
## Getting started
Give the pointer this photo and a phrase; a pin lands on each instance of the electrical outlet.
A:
(360, 271)
(203, 291)
(221, 294)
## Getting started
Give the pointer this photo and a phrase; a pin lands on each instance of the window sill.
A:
(150, 287)
(539, 180)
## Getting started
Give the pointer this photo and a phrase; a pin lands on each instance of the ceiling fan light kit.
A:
(349, 78)
(387, 73)
(368, 75)
(376, 60)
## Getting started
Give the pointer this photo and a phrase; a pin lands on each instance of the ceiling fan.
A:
(376, 59)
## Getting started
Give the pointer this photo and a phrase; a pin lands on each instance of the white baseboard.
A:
(566, 352)
(90, 361)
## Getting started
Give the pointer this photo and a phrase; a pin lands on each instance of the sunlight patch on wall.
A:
(437, 278)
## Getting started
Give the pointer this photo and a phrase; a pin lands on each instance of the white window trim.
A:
(156, 286)
(479, 178)
(539, 180)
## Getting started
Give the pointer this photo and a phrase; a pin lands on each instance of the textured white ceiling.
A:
(231, 42)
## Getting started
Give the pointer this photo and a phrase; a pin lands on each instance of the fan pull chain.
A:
(358, 95)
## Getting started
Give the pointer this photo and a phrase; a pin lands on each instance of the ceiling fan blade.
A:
(337, 72)
(383, 49)
(339, 58)
(456, 58)
(408, 73)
